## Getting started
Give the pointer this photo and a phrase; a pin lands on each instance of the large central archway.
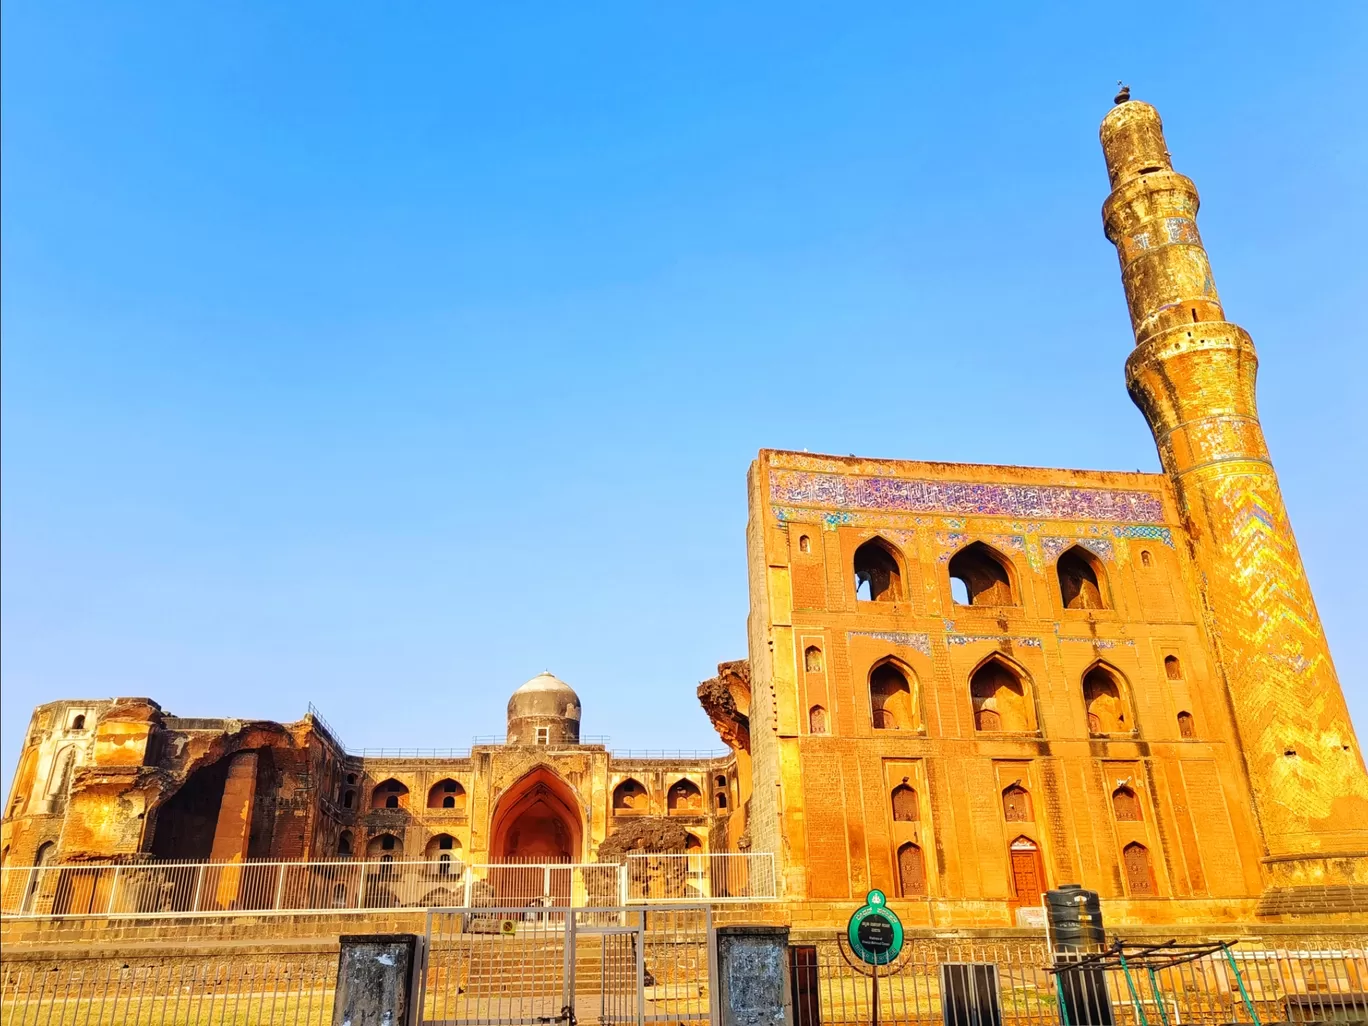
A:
(537, 820)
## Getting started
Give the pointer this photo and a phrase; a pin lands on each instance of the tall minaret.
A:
(1192, 375)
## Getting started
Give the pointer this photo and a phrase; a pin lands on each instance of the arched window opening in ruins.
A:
(721, 799)
(804, 543)
(630, 796)
(1081, 580)
(1186, 726)
(1145, 558)
(890, 696)
(45, 853)
(344, 843)
(446, 794)
(1126, 804)
(389, 794)
(983, 576)
(817, 720)
(692, 843)
(684, 798)
(720, 780)
(1107, 712)
(812, 659)
(1016, 804)
(348, 799)
(1139, 878)
(1001, 701)
(1028, 878)
(351, 778)
(911, 871)
(878, 574)
(444, 850)
(906, 808)
(383, 847)
(79, 722)
(1173, 669)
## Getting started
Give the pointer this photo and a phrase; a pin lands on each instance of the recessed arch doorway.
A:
(537, 820)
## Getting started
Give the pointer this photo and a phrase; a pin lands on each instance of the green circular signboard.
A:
(875, 932)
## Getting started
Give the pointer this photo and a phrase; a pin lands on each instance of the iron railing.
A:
(1008, 981)
(175, 888)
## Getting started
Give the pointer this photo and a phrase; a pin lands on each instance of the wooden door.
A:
(1026, 876)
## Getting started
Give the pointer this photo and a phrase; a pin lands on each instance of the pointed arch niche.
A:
(537, 819)
(1002, 696)
(1082, 579)
(1104, 695)
(894, 698)
(980, 575)
(878, 572)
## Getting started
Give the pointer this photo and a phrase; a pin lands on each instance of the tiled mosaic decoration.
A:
(1147, 532)
(1099, 547)
(951, 542)
(919, 642)
(969, 639)
(843, 492)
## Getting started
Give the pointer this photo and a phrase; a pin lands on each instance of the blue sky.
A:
(381, 356)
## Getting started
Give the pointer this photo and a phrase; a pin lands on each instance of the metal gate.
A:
(619, 966)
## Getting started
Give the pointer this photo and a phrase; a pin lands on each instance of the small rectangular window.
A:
(543, 735)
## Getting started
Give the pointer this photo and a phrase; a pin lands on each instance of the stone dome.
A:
(545, 710)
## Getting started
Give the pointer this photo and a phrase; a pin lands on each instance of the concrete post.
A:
(752, 970)
(375, 980)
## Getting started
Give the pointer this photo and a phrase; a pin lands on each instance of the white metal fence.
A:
(168, 888)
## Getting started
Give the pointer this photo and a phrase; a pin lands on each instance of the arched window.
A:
(720, 780)
(1145, 558)
(1139, 880)
(446, 794)
(351, 778)
(684, 798)
(804, 543)
(1186, 726)
(812, 659)
(1173, 669)
(692, 843)
(630, 796)
(344, 843)
(79, 722)
(983, 577)
(1000, 699)
(911, 871)
(1028, 881)
(348, 799)
(817, 720)
(906, 808)
(1126, 804)
(1081, 580)
(1107, 713)
(890, 698)
(389, 794)
(1016, 804)
(383, 847)
(878, 574)
(721, 799)
(443, 849)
